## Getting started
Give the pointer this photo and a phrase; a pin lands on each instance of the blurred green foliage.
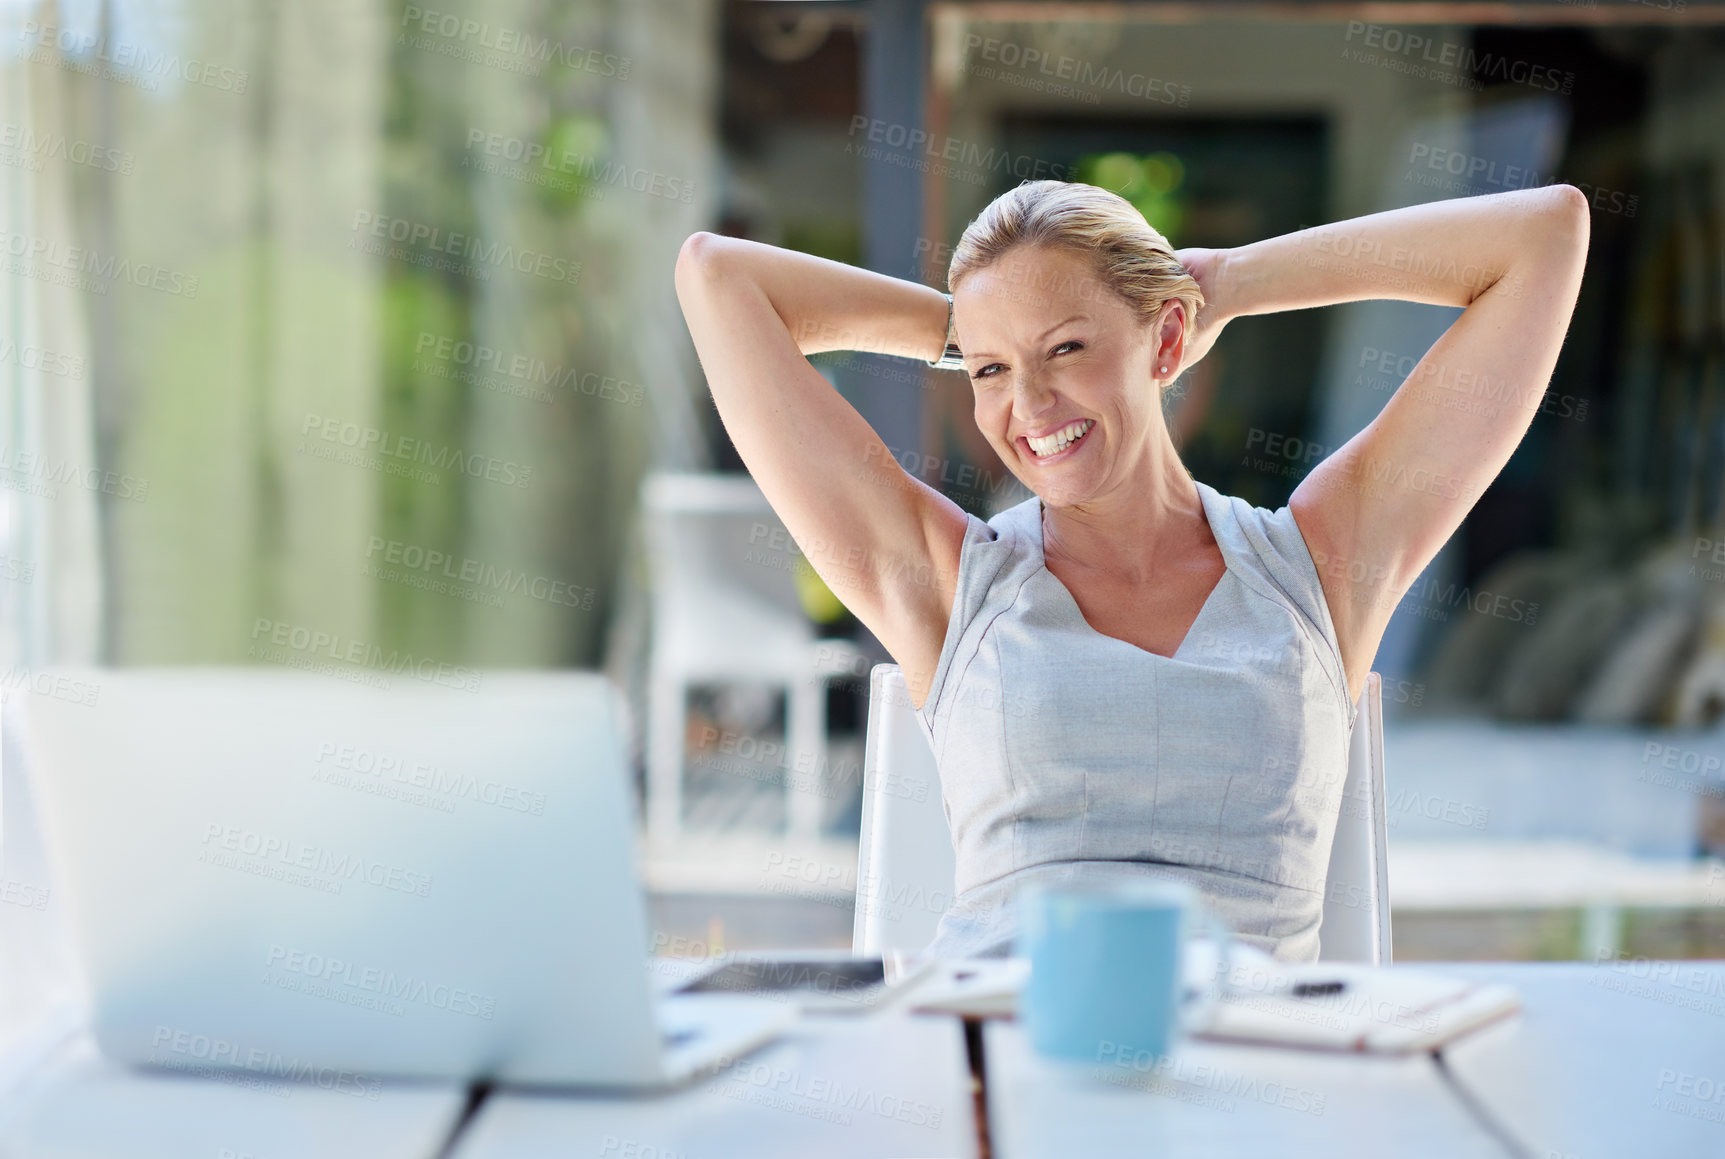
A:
(1152, 183)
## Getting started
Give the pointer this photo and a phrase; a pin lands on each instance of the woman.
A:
(1130, 674)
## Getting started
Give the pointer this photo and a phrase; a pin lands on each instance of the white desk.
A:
(1217, 1100)
(74, 1104)
(1603, 1060)
(888, 1083)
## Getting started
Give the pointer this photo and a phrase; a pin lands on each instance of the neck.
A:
(1131, 532)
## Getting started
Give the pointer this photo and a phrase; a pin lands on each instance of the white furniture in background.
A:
(725, 609)
(906, 865)
(1449, 877)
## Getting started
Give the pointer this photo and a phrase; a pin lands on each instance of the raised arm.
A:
(1378, 509)
(886, 543)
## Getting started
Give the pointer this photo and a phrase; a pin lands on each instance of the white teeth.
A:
(1060, 439)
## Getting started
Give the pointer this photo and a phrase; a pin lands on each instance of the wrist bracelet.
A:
(951, 358)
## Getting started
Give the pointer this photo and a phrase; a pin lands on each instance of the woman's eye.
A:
(983, 372)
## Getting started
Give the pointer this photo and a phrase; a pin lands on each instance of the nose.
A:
(1031, 396)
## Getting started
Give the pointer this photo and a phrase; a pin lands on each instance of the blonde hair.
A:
(1130, 256)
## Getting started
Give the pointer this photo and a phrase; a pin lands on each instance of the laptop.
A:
(296, 874)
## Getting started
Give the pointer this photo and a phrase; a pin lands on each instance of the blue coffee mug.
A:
(1106, 967)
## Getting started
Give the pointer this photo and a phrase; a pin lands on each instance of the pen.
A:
(1313, 989)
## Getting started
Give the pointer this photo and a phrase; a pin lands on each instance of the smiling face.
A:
(1064, 372)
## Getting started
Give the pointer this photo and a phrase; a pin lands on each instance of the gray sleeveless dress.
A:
(1066, 755)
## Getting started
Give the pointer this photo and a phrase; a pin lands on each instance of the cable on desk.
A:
(978, 1085)
(476, 1096)
(1482, 1115)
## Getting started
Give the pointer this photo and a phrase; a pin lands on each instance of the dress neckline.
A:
(1206, 496)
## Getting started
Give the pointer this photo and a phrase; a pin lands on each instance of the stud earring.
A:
(1163, 369)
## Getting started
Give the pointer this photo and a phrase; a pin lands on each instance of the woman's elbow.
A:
(696, 256)
(1567, 214)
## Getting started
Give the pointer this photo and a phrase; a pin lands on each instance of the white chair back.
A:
(905, 862)
(906, 866)
(1356, 925)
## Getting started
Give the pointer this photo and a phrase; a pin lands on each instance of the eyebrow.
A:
(1042, 338)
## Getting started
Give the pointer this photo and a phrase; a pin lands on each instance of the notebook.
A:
(1317, 1005)
(1352, 1007)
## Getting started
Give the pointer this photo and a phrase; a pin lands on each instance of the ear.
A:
(1168, 340)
